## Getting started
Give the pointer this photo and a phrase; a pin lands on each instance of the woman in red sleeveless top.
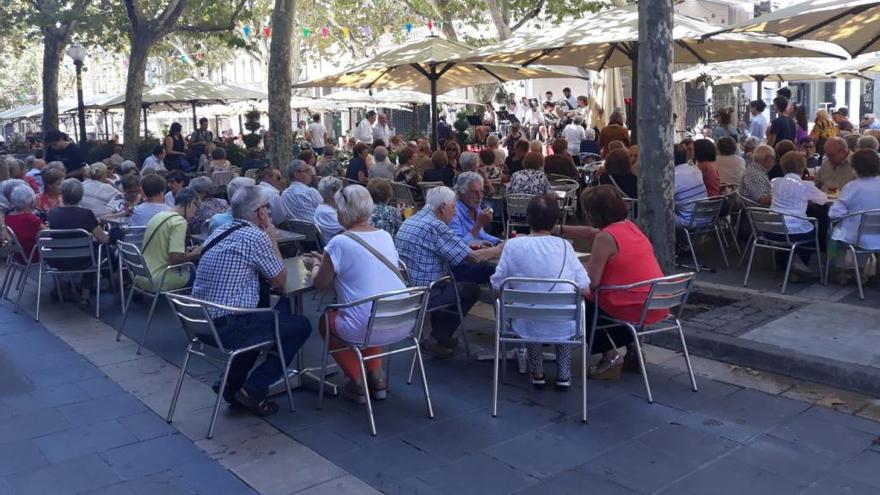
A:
(621, 255)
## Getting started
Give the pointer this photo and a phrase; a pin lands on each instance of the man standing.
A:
(199, 139)
(836, 170)
(300, 198)
(429, 247)
(59, 148)
(521, 108)
(317, 134)
(382, 131)
(363, 133)
(233, 260)
(783, 127)
(570, 101)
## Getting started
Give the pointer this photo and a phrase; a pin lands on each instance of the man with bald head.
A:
(836, 170)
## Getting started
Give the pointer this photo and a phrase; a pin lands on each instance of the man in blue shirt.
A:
(469, 223)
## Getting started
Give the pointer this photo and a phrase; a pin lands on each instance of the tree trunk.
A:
(441, 8)
(134, 94)
(500, 17)
(53, 51)
(280, 80)
(655, 129)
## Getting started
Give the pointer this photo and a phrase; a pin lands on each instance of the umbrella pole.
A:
(760, 81)
(145, 121)
(106, 127)
(433, 78)
(195, 119)
(634, 122)
(415, 118)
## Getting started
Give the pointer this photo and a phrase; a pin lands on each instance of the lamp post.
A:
(77, 52)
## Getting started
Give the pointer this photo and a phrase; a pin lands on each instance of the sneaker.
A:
(436, 349)
(563, 384)
(354, 392)
(538, 381)
(378, 387)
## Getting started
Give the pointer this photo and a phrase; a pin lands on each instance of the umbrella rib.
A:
(544, 53)
(834, 18)
(380, 76)
(607, 57)
(421, 70)
(866, 45)
(444, 69)
(487, 71)
(693, 52)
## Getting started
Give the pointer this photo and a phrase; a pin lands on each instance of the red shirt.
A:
(710, 178)
(26, 226)
(45, 203)
(634, 262)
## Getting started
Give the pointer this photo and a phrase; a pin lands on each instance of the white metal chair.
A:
(66, 245)
(741, 204)
(389, 312)
(567, 203)
(704, 220)
(17, 262)
(869, 225)
(205, 342)
(632, 206)
(561, 307)
(131, 235)
(427, 186)
(664, 293)
(221, 178)
(308, 229)
(770, 232)
(403, 193)
(515, 209)
(132, 258)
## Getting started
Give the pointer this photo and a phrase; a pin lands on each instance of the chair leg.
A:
(693, 253)
(819, 262)
(98, 290)
(641, 363)
(495, 363)
(858, 273)
(827, 267)
(461, 327)
(687, 357)
(126, 307)
(179, 383)
(285, 376)
(121, 281)
(219, 396)
(751, 258)
(7, 282)
(584, 364)
(366, 390)
(22, 283)
(721, 245)
(788, 269)
(143, 341)
(743, 255)
(424, 379)
(412, 368)
(325, 355)
(40, 290)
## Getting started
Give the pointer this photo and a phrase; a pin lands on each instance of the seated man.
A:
(469, 222)
(153, 187)
(859, 195)
(165, 243)
(429, 247)
(131, 197)
(225, 217)
(175, 180)
(756, 182)
(836, 170)
(270, 185)
(300, 198)
(233, 260)
(689, 186)
(156, 160)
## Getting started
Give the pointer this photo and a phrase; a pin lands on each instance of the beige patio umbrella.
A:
(767, 69)
(610, 39)
(607, 91)
(852, 24)
(432, 65)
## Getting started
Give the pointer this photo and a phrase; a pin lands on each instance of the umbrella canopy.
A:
(852, 24)
(191, 91)
(610, 39)
(418, 98)
(433, 65)
(765, 69)
(607, 91)
(23, 112)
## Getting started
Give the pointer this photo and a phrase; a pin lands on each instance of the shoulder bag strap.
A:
(153, 233)
(378, 256)
(220, 237)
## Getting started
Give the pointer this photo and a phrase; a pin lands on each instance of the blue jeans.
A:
(808, 239)
(238, 331)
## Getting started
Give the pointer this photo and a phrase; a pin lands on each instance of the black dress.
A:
(172, 162)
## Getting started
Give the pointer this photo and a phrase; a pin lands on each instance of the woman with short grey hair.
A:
(357, 272)
(98, 192)
(6, 188)
(25, 224)
(210, 205)
(72, 216)
(326, 216)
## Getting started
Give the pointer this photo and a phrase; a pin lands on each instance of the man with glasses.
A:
(836, 170)
(300, 198)
(234, 259)
(270, 185)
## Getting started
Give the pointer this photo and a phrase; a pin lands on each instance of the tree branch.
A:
(133, 13)
(213, 28)
(529, 16)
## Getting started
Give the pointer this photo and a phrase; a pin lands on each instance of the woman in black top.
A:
(441, 172)
(175, 149)
(357, 166)
(618, 172)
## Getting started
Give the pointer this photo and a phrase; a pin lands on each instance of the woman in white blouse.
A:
(858, 195)
(326, 216)
(558, 261)
(356, 273)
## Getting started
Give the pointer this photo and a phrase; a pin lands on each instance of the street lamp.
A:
(78, 53)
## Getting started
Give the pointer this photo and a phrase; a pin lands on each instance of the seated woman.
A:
(326, 216)
(357, 167)
(621, 255)
(72, 216)
(489, 165)
(355, 272)
(218, 162)
(558, 261)
(441, 171)
(618, 173)
(385, 216)
(98, 191)
(858, 195)
(210, 206)
(531, 179)
(560, 162)
(51, 195)
(25, 224)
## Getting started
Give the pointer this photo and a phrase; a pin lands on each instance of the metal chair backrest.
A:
(403, 193)
(516, 204)
(706, 212)
(16, 252)
(540, 305)
(631, 207)
(427, 186)
(662, 293)
(205, 227)
(134, 260)
(745, 202)
(61, 244)
(198, 325)
(221, 178)
(765, 221)
(869, 224)
(308, 229)
(252, 173)
(134, 235)
(394, 310)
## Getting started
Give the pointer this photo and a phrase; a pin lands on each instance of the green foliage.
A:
(235, 154)
(252, 121)
(145, 149)
(21, 81)
(96, 151)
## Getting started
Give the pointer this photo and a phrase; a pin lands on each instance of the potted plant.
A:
(252, 123)
(461, 125)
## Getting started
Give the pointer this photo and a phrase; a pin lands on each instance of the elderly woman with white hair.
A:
(352, 265)
(326, 214)
(382, 168)
(210, 205)
(226, 217)
(25, 224)
(98, 191)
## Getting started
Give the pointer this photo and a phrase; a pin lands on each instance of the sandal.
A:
(258, 407)
(607, 369)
